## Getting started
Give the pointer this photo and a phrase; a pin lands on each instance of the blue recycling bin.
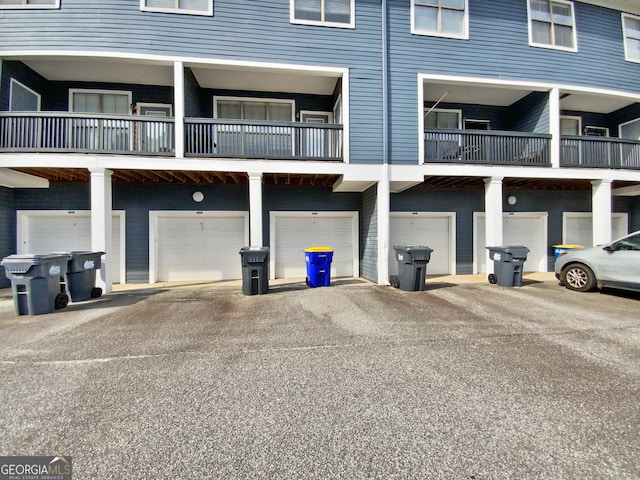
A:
(318, 260)
(559, 250)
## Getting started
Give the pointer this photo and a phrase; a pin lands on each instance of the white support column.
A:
(493, 216)
(554, 126)
(101, 224)
(384, 213)
(601, 207)
(255, 209)
(178, 93)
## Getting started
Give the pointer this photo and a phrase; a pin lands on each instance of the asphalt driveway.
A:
(355, 381)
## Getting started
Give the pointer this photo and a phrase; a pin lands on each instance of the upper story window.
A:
(552, 24)
(441, 18)
(29, 4)
(631, 31)
(328, 13)
(441, 118)
(190, 7)
(254, 109)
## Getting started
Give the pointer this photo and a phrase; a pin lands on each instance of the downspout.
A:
(384, 191)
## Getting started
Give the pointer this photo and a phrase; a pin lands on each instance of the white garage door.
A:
(425, 229)
(528, 229)
(198, 246)
(44, 232)
(294, 232)
(578, 227)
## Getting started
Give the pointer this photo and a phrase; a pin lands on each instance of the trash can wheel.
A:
(493, 279)
(96, 292)
(62, 300)
(395, 281)
(306, 280)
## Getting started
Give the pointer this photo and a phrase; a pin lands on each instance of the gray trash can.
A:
(80, 278)
(35, 282)
(412, 267)
(255, 270)
(508, 263)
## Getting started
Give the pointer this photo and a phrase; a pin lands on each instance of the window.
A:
(442, 18)
(591, 131)
(240, 109)
(552, 24)
(570, 126)
(247, 133)
(97, 132)
(330, 13)
(29, 4)
(22, 98)
(191, 7)
(442, 119)
(631, 32)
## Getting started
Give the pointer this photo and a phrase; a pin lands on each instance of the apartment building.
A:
(170, 133)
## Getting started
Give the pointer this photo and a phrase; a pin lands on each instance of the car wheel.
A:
(578, 277)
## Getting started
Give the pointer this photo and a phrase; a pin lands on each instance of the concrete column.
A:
(601, 207)
(384, 212)
(178, 94)
(554, 126)
(493, 216)
(255, 209)
(101, 224)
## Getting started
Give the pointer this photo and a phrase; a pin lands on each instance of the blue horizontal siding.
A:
(246, 30)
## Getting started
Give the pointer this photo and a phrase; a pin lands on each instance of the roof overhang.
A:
(13, 179)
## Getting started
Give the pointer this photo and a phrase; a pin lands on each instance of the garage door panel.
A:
(62, 233)
(199, 248)
(527, 230)
(433, 232)
(294, 234)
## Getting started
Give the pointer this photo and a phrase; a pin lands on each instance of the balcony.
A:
(599, 152)
(85, 133)
(265, 140)
(487, 147)
(142, 135)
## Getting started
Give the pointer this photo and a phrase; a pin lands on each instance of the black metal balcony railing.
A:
(599, 152)
(133, 134)
(487, 147)
(206, 137)
(81, 132)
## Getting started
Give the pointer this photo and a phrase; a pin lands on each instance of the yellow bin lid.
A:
(318, 249)
(568, 246)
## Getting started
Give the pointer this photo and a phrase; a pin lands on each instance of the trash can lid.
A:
(34, 259)
(254, 249)
(568, 245)
(410, 248)
(318, 249)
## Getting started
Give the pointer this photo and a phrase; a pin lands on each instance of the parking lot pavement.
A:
(355, 381)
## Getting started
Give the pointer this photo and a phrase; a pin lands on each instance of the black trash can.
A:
(80, 278)
(255, 270)
(412, 267)
(508, 264)
(35, 282)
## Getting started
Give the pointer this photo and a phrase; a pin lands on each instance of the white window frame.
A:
(351, 24)
(22, 85)
(73, 91)
(625, 36)
(55, 4)
(574, 36)
(183, 11)
(443, 110)
(635, 120)
(216, 98)
(593, 128)
(572, 117)
(433, 33)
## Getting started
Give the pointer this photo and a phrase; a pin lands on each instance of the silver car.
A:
(615, 265)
